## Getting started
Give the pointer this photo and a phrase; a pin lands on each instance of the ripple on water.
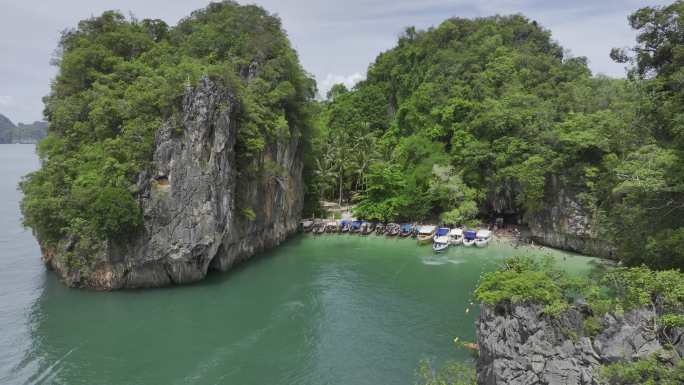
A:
(439, 260)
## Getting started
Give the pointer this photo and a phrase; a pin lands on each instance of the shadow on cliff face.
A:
(216, 276)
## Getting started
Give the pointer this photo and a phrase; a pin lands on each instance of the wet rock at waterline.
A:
(193, 199)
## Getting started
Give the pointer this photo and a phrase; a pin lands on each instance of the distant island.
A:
(21, 133)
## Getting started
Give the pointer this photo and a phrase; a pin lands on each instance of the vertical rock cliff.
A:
(565, 224)
(519, 345)
(200, 212)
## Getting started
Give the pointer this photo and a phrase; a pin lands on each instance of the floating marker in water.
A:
(456, 340)
(467, 310)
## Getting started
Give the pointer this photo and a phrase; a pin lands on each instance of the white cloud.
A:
(6, 101)
(331, 79)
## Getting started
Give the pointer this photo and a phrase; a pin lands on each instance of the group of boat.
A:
(441, 237)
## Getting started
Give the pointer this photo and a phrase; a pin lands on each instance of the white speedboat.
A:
(425, 234)
(455, 236)
(469, 237)
(440, 241)
(482, 238)
(440, 246)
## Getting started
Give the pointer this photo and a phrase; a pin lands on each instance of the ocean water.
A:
(334, 309)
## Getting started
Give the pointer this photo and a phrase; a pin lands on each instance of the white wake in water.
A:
(439, 260)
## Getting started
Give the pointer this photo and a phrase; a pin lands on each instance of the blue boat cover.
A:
(345, 222)
(442, 231)
(356, 225)
(406, 227)
(470, 234)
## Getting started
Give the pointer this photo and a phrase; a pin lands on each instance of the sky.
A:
(336, 39)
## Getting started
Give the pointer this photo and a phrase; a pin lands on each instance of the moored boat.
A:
(355, 227)
(319, 228)
(380, 229)
(440, 246)
(441, 235)
(307, 226)
(469, 237)
(440, 241)
(482, 238)
(425, 234)
(367, 228)
(392, 230)
(331, 227)
(345, 225)
(455, 236)
(406, 230)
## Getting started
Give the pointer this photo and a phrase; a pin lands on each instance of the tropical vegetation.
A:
(468, 120)
(524, 280)
(488, 117)
(121, 78)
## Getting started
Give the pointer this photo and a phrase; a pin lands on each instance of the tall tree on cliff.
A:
(650, 220)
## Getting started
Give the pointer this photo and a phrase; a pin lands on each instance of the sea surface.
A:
(334, 309)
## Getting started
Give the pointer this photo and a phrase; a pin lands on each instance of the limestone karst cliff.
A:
(519, 345)
(193, 199)
(179, 150)
(564, 223)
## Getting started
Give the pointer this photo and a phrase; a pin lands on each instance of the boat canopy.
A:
(426, 229)
(484, 234)
(356, 224)
(470, 234)
(345, 222)
(406, 227)
(456, 231)
(442, 231)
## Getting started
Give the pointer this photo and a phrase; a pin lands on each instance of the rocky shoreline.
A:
(519, 345)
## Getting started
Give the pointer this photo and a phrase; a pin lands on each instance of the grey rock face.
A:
(194, 199)
(563, 223)
(521, 346)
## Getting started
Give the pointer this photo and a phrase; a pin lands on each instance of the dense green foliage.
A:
(489, 116)
(615, 290)
(120, 79)
(651, 371)
(649, 221)
(525, 280)
(492, 101)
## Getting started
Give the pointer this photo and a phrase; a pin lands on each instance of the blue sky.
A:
(336, 40)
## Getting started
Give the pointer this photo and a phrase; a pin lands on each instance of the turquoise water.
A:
(334, 309)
